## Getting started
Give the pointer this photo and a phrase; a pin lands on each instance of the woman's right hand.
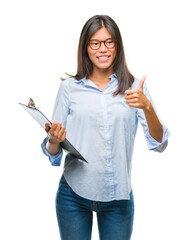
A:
(56, 133)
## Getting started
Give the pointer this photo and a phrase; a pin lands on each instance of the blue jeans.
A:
(75, 217)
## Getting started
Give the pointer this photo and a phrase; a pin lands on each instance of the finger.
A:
(57, 129)
(132, 100)
(142, 82)
(54, 126)
(63, 136)
(128, 92)
(54, 129)
(61, 132)
(135, 105)
(131, 96)
(47, 128)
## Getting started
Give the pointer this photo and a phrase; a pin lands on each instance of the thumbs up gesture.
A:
(136, 98)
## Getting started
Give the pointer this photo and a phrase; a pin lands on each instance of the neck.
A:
(100, 76)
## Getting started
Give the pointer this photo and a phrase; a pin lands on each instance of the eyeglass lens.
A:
(95, 44)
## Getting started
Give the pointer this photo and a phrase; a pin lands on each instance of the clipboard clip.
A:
(31, 104)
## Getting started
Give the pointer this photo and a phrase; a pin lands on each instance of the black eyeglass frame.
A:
(101, 43)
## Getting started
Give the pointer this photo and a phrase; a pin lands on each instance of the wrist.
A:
(148, 106)
(52, 146)
(53, 140)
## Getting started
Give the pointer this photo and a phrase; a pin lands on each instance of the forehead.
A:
(101, 34)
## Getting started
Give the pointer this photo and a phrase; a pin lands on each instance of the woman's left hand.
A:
(136, 98)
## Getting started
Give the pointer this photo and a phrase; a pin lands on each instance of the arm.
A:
(56, 134)
(51, 144)
(154, 125)
(136, 98)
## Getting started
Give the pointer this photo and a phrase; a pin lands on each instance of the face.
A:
(103, 57)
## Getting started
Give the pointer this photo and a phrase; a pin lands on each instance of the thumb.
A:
(142, 82)
(47, 127)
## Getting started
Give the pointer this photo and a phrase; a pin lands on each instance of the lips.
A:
(103, 58)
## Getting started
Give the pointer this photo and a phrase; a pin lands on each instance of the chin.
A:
(103, 66)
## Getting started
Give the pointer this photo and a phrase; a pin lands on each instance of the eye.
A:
(110, 43)
(94, 43)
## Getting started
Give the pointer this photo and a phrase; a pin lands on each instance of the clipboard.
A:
(42, 120)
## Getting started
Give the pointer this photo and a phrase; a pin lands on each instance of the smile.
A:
(103, 58)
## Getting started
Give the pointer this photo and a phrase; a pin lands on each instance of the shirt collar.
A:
(113, 77)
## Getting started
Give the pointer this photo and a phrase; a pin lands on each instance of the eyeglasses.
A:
(96, 44)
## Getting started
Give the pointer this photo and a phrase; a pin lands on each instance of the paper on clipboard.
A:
(42, 120)
(36, 114)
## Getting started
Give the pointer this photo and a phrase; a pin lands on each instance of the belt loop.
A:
(93, 206)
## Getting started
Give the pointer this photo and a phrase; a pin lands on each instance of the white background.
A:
(38, 44)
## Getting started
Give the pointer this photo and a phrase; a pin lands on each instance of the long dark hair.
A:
(85, 66)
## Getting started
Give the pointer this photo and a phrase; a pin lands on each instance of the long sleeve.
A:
(54, 159)
(60, 113)
(61, 108)
(152, 143)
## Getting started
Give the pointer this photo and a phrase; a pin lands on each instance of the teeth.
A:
(103, 57)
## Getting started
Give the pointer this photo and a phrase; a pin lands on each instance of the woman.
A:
(99, 109)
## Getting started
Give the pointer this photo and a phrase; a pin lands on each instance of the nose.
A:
(102, 48)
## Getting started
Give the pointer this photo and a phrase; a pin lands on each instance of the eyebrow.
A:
(94, 39)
